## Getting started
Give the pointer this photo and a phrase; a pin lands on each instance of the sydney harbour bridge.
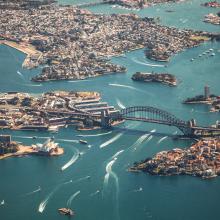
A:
(154, 115)
(144, 114)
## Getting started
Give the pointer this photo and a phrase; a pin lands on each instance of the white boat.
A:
(3, 202)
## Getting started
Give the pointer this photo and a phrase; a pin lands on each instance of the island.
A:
(212, 18)
(202, 159)
(52, 110)
(73, 43)
(164, 78)
(212, 4)
(9, 148)
(208, 99)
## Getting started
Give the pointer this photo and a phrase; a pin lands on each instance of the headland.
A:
(202, 159)
(52, 110)
(10, 148)
(208, 99)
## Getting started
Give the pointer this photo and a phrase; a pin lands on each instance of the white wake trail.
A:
(20, 74)
(35, 191)
(148, 64)
(77, 81)
(68, 140)
(94, 135)
(120, 104)
(139, 141)
(110, 141)
(117, 154)
(72, 160)
(95, 193)
(162, 139)
(124, 86)
(44, 203)
(108, 170)
(72, 197)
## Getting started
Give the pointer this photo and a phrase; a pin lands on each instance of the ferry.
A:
(66, 211)
(83, 141)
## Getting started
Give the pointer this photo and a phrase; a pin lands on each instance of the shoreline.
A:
(26, 49)
(26, 150)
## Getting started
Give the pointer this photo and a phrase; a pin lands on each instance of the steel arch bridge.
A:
(150, 115)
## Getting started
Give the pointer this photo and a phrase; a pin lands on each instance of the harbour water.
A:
(107, 190)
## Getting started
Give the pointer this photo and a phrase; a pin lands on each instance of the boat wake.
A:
(95, 193)
(148, 64)
(34, 85)
(117, 154)
(139, 141)
(138, 190)
(110, 141)
(44, 203)
(162, 139)
(81, 179)
(94, 135)
(35, 191)
(124, 86)
(20, 74)
(72, 160)
(120, 104)
(68, 140)
(2, 202)
(130, 87)
(72, 197)
(110, 173)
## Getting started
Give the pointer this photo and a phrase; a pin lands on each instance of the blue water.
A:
(120, 197)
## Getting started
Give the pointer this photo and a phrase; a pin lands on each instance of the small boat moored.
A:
(66, 211)
(83, 141)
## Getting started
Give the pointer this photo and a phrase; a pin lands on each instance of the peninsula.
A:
(164, 78)
(20, 111)
(10, 148)
(207, 98)
(201, 159)
(73, 43)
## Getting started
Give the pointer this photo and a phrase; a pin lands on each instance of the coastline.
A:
(26, 150)
(27, 49)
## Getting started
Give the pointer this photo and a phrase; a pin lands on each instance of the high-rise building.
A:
(206, 92)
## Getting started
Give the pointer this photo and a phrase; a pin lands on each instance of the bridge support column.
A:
(105, 121)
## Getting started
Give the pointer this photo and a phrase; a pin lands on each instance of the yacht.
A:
(66, 211)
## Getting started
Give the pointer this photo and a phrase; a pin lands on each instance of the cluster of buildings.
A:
(164, 78)
(212, 18)
(52, 110)
(6, 145)
(76, 44)
(209, 99)
(212, 4)
(201, 159)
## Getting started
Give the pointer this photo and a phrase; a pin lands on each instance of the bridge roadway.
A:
(144, 114)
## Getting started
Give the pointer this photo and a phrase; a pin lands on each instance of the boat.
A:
(83, 141)
(66, 211)
(34, 137)
(213, 54)
(2, 202)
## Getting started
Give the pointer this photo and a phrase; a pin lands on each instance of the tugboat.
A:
(82, 141)
(66, 211)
